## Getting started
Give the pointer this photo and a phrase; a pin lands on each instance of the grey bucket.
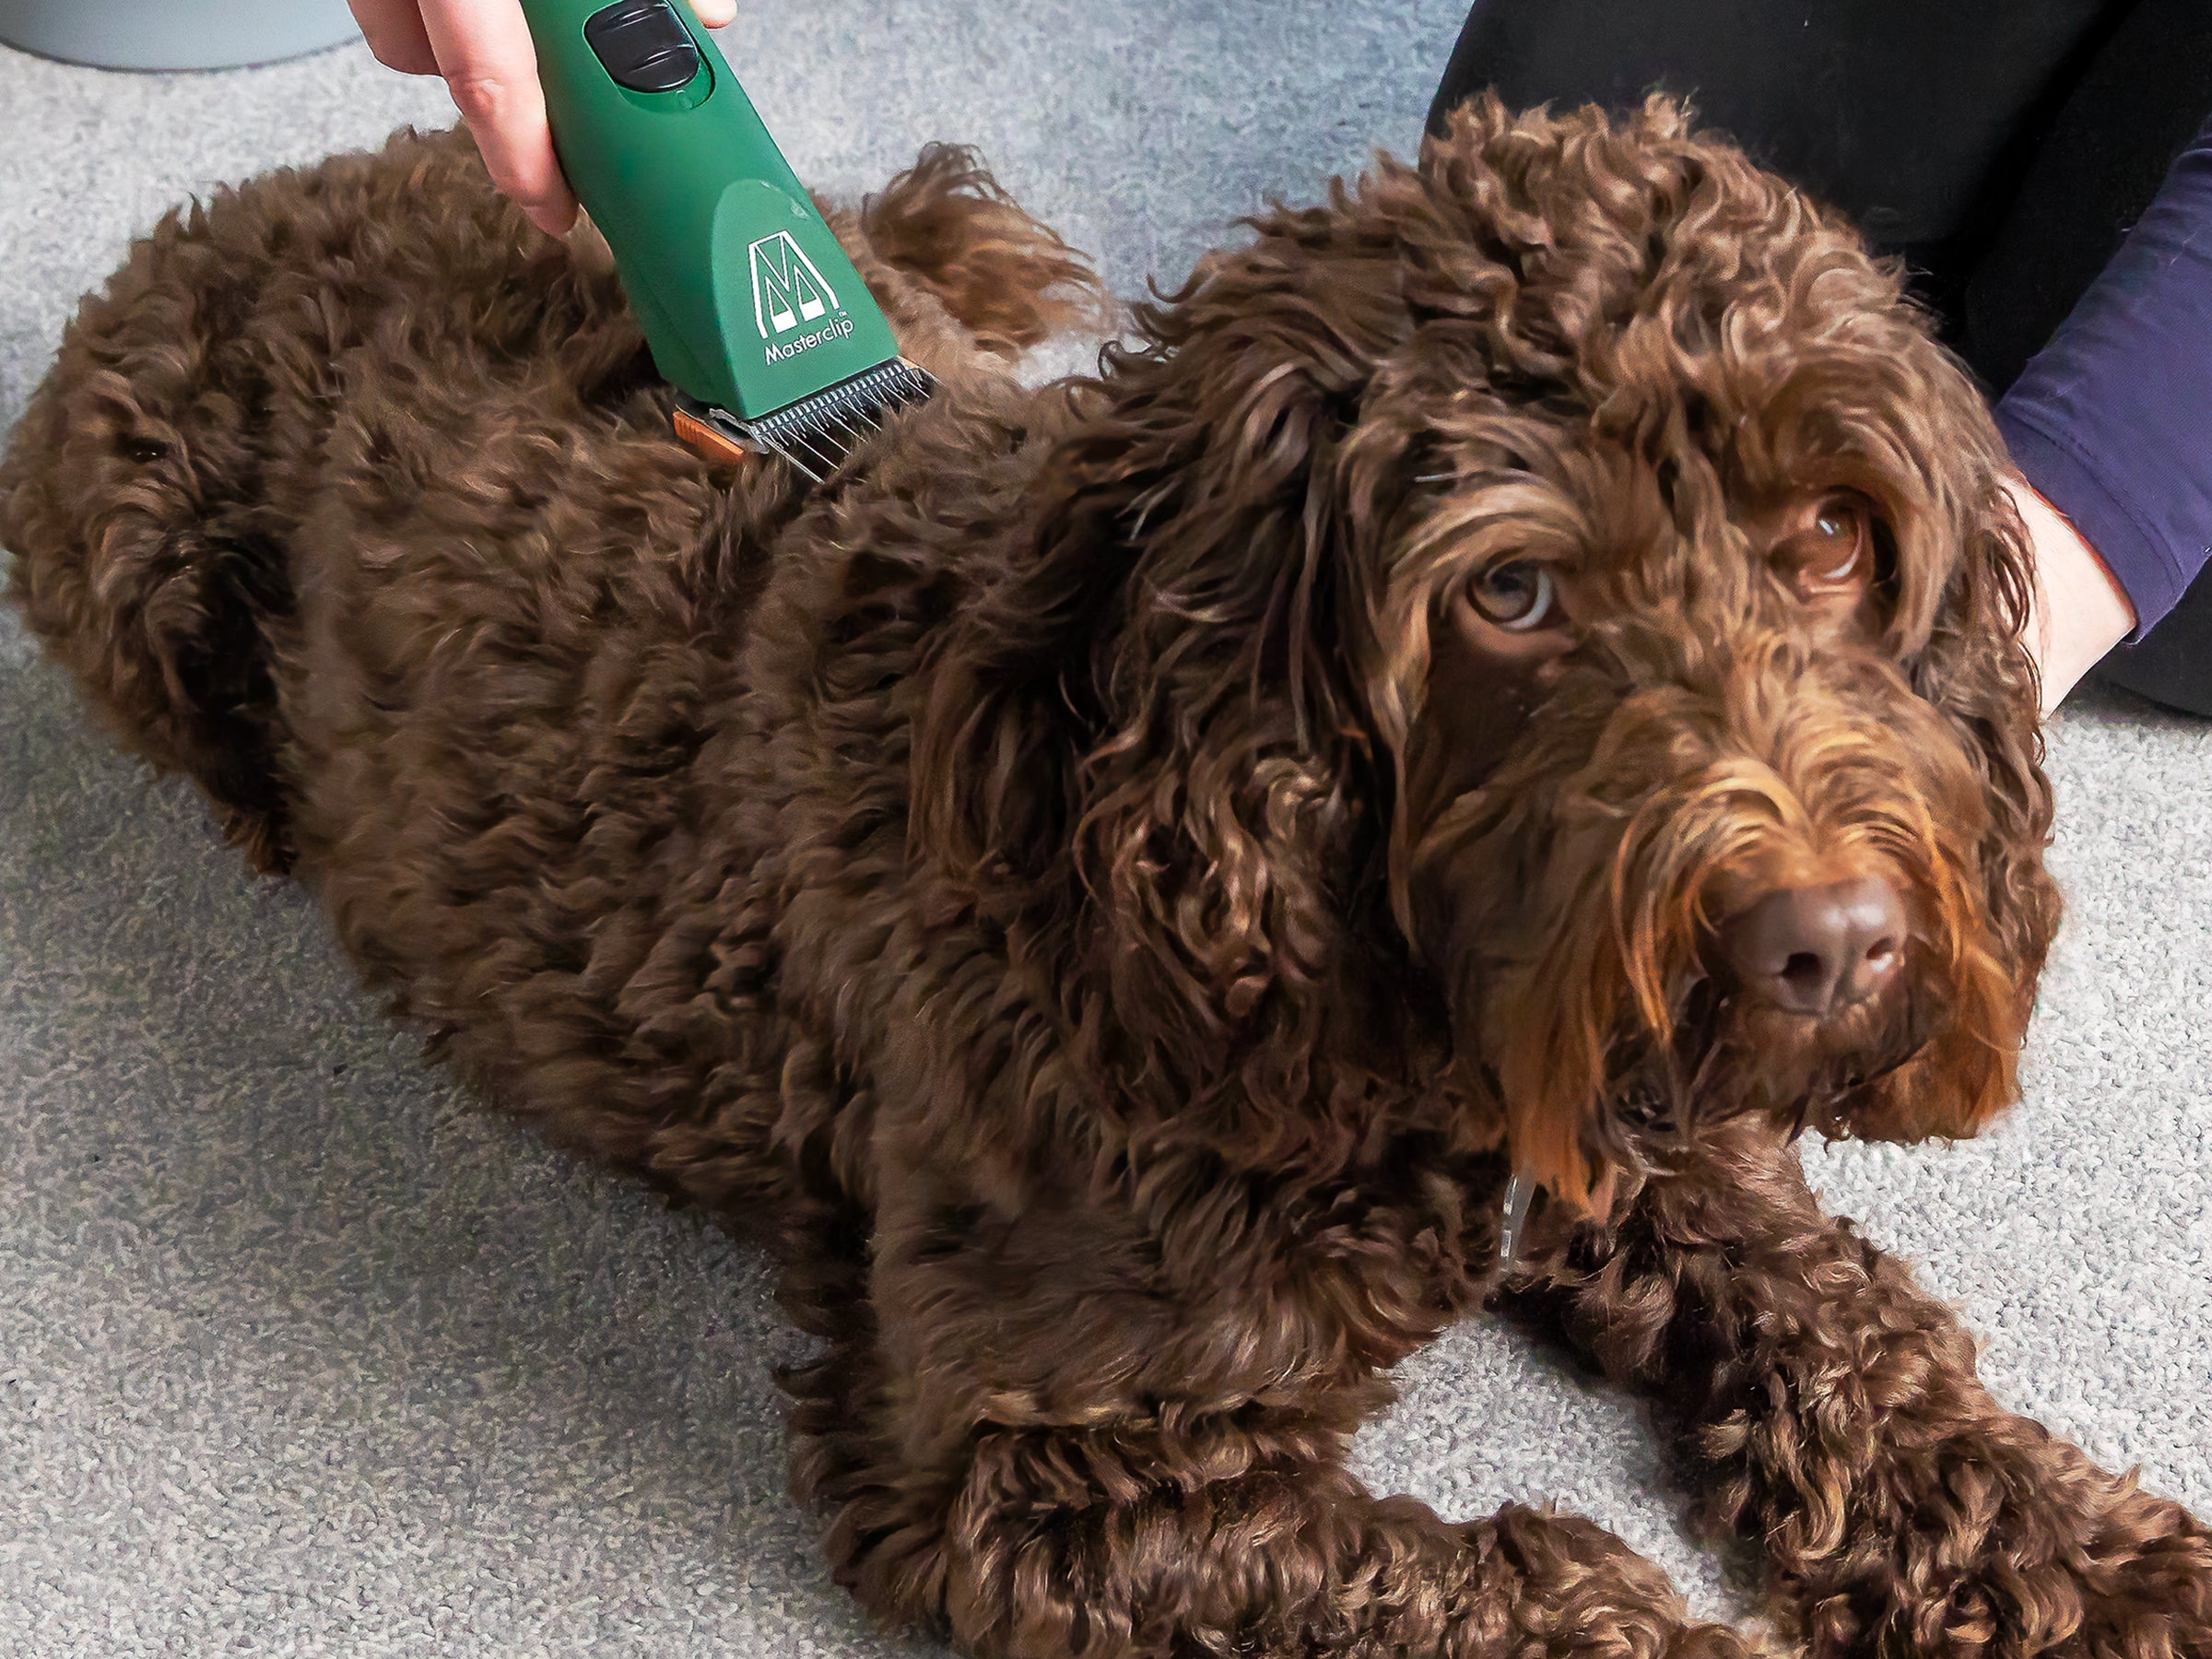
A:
(174, 34)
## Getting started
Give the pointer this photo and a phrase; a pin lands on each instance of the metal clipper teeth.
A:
(817, 433)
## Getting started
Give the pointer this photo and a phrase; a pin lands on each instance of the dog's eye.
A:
(1834, 547)
(1841, 529)
(1519, 595)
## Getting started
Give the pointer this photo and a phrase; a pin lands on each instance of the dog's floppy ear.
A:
(1150, 719)
(1976, 670)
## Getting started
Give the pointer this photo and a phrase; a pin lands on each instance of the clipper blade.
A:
(814, 434)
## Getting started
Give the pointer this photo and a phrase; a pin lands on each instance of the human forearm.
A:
(2108, 425)
(2079, 610)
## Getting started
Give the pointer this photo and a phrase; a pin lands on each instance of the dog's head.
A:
(1573, 556)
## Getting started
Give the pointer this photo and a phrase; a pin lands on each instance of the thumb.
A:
(715, 14)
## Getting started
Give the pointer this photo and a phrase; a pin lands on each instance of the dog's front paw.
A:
(1716, 1641)
(2156, 1602)
(2021, 1552)
(1569, 1589)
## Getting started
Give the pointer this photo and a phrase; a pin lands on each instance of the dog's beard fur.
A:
(1572, 901)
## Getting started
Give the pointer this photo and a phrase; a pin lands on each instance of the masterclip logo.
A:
(787, 289)
(837, 328)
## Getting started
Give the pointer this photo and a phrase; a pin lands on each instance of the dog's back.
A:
(355, 499)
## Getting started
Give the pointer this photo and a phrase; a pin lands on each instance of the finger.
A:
(490, 67)
(394, 30)
(715, 14)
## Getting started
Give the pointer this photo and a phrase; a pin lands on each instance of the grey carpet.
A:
(301, 1353)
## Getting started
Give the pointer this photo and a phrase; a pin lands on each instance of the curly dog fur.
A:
(1111, 886)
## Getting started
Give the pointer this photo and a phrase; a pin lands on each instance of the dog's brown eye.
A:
(1843, 530)
(1520, 595)
(1834, 547)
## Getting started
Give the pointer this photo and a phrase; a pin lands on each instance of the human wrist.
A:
(2077, 610)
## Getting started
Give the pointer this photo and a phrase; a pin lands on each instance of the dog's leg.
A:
(1828, 1411)
(1009, 1470)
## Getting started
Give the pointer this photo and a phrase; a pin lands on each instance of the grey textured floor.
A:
(299, 1353)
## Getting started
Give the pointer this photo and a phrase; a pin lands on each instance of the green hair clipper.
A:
(753, 312)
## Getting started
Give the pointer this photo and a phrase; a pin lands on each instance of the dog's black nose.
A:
(1818, 949)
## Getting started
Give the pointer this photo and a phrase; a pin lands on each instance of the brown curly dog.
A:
(1513, 670)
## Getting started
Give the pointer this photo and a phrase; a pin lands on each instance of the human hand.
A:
(2079, 611)
(482, 48)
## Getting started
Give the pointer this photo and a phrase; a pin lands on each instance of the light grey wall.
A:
(174, 34)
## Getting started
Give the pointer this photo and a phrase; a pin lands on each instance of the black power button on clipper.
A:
(642, 45)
